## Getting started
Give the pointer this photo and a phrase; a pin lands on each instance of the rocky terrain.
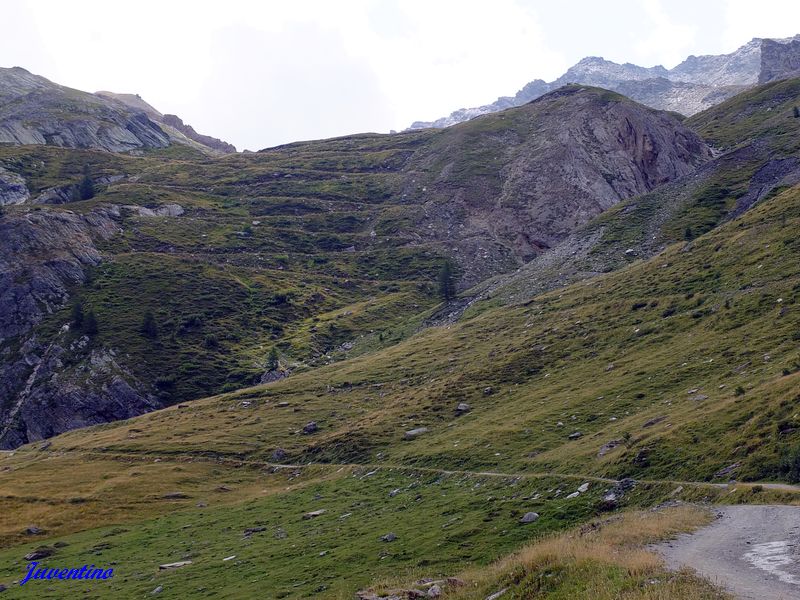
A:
(172, 123)
(504, 188)
(696, 84)
(46, 388)
(488, 196)
(34, 110)
(764, 160)
(779, 60)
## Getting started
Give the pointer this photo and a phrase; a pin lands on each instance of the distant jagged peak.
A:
(696, 84)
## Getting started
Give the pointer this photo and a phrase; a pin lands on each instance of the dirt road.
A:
(752, 551)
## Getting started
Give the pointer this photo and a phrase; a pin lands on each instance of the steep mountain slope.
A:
(758, 136)
(779, 61)
(516, 183)
(34, 110)
(428, 450)
(696, 84)
(316, 250)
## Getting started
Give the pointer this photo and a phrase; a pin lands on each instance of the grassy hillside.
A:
(693, 363)
(317, 250)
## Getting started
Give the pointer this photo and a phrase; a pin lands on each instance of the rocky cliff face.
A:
(779, 61)
(34, 110)
(503, 188)
(696, 84)
(50, 386)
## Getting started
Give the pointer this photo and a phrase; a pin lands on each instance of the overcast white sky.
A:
(260, 73)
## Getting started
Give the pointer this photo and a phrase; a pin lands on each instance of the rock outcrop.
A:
(779, 61)
(50, 387)
(13, 189)
(206, 140)
(172, 122)
(34, 110)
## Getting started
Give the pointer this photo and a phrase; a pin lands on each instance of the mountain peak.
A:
(694, 85)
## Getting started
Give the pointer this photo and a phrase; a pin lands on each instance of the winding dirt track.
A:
(752, 551)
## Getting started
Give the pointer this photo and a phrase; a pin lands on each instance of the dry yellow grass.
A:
(605, 560)
(63, 494)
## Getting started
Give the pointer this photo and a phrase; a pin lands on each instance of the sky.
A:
(261, 73)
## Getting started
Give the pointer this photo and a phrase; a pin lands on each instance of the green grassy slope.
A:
(689, 360)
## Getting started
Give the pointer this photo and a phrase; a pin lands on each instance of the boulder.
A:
(608, 447)
(389, 537)
(175, 565)
(413, 433)
(314, 514)
(311, 427)
(462, 408)
(529, 517)
(39, 553)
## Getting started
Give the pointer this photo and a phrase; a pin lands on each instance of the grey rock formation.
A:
(165, 210)
(174, 122)
(697, 83)
(48, 388)
(13, 189)
(206, 140)
(779, 61)
(34, 110)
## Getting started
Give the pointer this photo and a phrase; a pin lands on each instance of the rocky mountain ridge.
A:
(171, 122)
(34, 110)
(539, 171)
(696, 84)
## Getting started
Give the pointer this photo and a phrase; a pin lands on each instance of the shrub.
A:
(447, 288)
(790, 465)
(149, 328)
(272, 359)
(739, 391)
(77, 314)
(86, 187)
(90, 324)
